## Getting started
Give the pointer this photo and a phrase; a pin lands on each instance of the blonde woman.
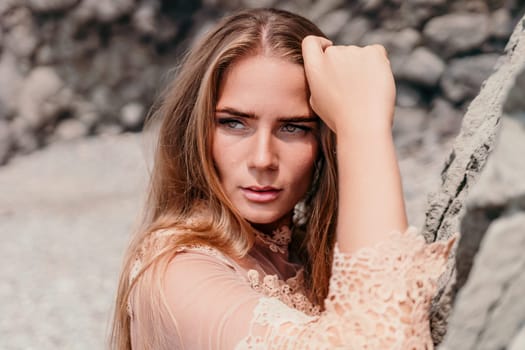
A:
(275, 217)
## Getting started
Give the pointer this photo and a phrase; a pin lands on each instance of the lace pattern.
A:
(379, 298)
(290, 292)
(278, 241)
(271, 314)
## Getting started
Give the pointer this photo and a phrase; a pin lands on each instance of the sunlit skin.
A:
(265, 142)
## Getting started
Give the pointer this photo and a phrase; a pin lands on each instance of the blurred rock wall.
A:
(454, 208)
(74, 68)
(489, 311)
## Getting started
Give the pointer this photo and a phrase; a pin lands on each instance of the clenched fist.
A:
(352, 88)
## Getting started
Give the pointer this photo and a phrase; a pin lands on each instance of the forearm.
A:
(371, 203)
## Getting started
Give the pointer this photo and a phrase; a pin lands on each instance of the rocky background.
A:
(489, 311)
(70, 69)
(76, 68)
(481, 196)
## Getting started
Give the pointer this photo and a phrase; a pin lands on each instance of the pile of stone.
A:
(482, 197)
(73, 68)
(489, 311)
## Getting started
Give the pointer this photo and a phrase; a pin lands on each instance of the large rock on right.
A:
(489, 312)
(484, 201)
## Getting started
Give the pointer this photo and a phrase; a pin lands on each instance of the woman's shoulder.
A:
(168, 242)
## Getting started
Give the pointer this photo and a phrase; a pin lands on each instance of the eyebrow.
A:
(249, 115)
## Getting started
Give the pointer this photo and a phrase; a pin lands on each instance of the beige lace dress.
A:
(379, 298)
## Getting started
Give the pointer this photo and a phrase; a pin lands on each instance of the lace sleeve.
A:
(379, 298)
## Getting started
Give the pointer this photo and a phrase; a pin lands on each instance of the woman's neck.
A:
(268, 228)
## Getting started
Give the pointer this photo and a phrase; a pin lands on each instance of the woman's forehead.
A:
(260, 83)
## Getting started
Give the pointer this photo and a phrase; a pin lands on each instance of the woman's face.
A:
(265, 141)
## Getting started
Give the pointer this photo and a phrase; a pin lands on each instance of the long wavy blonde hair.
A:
(183, 176)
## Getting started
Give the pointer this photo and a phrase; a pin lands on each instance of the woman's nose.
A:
(264, 152)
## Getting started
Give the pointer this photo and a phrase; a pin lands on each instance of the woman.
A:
(264, 229)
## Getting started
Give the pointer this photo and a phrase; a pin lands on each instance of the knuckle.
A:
(308, 39)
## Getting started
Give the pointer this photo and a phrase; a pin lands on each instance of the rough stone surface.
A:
(370, 5)
(415, 12)
(132, 115)
(21, 39)
(354, 30)
(407, 95)
(518, 342)
(103, 10)
(25, 140)
(70, 129)
(40, 87)
(112, 53)
(51, 5)
(490, 309)
(468, 156)
(332, 23)
(11, 82)
(500, 24)
(5, 141)
(445, 119)
(422, 67)
(457, 32)
(464, 76)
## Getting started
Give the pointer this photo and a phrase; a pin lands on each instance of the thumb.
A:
(313, 48)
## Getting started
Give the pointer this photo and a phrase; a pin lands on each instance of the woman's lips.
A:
(261, 194)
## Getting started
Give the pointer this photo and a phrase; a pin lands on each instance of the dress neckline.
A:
(277, 241)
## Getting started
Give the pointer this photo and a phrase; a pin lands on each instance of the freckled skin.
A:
(266, 149)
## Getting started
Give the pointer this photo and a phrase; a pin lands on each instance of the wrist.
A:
(370, 123)
(363, 134)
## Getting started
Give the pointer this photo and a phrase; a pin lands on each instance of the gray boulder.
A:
(41, 86)
(21, 39)
(407, 95)
(5, 141)
(51, 5)
(500, 24)
(69, 129)
(370, 5)
(354, 30)
(489, 311)
(445, 120)
(467, 158)
(333, 22)
(12, 80)
(457, 32)
(463, 77)
(422, 67)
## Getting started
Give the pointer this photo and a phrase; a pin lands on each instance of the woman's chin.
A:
(269, 222)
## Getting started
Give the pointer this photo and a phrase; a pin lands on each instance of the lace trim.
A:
(278, 241)
(272, 314)
(290, 292)
(379, 298)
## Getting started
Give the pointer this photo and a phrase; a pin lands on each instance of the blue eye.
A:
(231, 123)
(294, 129)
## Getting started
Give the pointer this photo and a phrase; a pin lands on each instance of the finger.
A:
(381, 49)
(313, 48)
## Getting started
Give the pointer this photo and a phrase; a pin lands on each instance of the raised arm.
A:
(353, 91)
